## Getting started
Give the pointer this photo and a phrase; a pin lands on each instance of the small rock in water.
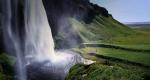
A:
(88, 62)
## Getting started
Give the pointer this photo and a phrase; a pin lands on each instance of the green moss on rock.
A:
(6, 67)
(97, 71)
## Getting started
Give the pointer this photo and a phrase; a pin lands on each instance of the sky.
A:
(127, 10)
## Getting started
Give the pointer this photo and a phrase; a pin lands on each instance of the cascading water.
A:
(39, 42)
(11, 35)
(38, 45)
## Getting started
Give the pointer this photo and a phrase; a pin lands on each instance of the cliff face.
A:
(59, 12)
(79, 9)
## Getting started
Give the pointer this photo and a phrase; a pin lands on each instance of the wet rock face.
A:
(79, 9)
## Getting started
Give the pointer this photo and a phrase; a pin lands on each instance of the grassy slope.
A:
(108, 30)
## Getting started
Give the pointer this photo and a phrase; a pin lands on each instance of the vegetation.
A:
(129, 62)
(6, 67)
(143, 29)
(118, 49)
(109, 31)
(137, 57)
(102, 72)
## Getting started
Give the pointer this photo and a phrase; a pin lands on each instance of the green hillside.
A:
(113, 45)
(109, 31)
(108, 37)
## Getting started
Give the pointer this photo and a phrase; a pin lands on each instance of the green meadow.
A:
(112, 45)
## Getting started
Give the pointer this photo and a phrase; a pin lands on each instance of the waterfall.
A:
(37, 45)
(39, 42)
(11, 35)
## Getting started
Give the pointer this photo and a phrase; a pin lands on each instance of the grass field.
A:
(133, 53)
(143, 29)
(137, 57)
(110, 32)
